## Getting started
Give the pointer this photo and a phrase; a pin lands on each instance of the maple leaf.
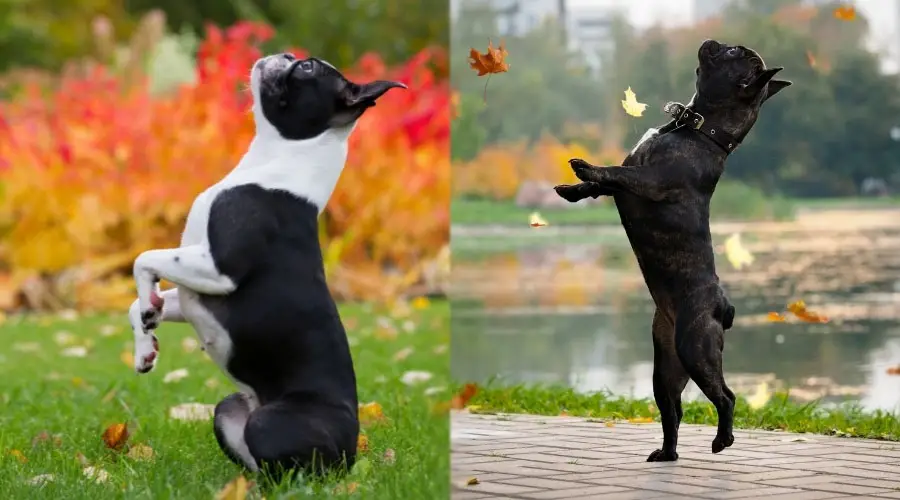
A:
(737, 255)
(631, 105)
(775, 317)
(489, 63)
(235, 490)
(894, 370)
(140, 452)
(460, 400)
(844, 13)
(535, 220)
(362, 443)
(798, 309)
(370, 413)
(472, 481)
(115, 436)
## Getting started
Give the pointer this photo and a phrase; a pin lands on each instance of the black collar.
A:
(685, 116)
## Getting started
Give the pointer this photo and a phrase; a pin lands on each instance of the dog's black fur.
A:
(662, 191)
(288, 343)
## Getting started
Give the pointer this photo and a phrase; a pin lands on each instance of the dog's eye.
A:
(306, 66)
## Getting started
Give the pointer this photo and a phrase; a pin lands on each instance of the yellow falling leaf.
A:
(420, 303)
(535, 220)
(631, 104)
(234, 490)
(640, 420)
(737, 255)
(760, 397)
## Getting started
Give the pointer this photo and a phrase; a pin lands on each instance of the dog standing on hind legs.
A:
(662, 192)
(250, 279)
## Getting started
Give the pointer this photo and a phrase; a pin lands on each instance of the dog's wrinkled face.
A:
(303, 98)
(734, 76)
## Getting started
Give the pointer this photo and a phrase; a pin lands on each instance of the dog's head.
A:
(735, 78)
(303, 98)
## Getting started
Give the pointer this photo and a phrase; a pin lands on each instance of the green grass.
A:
(778, 414)
(76, 398)
(506, 213)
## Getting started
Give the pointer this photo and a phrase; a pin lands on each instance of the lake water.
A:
(568, 306)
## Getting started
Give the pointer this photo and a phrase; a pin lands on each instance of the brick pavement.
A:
(536, 457)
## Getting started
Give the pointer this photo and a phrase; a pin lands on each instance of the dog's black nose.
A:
(289, 56)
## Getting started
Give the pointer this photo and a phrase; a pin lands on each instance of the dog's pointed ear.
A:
(776, 86)
(752, 89)
(354, 99)
(365, 94)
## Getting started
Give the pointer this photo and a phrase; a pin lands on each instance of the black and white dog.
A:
(250, 276)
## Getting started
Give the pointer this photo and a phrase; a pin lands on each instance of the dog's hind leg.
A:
(229, 424)
(699, 341)
(669, 380)
(146, 345)
(577, 192)
(287, 435)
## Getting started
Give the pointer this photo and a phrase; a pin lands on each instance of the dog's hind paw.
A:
(663, 456)
(720, 443)
(146, 352)
(570, 193)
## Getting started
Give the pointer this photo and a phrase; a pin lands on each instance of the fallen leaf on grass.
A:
(108, 330)
(234, 490)
(78, 382)
(420, 303)
(844, 13)
(564, 413)
(414, 377)
(346, 489)
(45, 437)
(115, 436)
(894, 370)
(403, 353)
(81, 459)
(370, 413)
(640, 420)
(64, 338)
(362, 443)
(192, 411)
(798, 308)
(140, 452)
(737, 255)
(535, 220)
(472, 481)
(175, 375)
(127, 357)
(440, 349)
(489, 63)
(97, 474)
(390, 456)
(41, 479)
(27, 347)
(462, 399)
(211, 383)
(189, 344)
(631, 104)
(78, 351)
(18, 455)
(431, 391)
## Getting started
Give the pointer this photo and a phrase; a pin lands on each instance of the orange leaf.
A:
(811, 59)
(370, 413)
(492, 61)
(115, 436)
(775, 317)
(19, 455)
(798, 309)
(845, 13)
(460, 400)
(564, 413)
(362, 443)
(894, 370)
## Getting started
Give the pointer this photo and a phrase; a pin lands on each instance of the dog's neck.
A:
(722, 118)
(308, 168)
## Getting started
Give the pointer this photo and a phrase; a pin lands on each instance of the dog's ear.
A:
(354, 98)
(752, 89)
(775, 86)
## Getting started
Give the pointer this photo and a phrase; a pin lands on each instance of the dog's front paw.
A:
(150, 316)
(663, 456)
(583, 170)
(722, 442)
(569, 192)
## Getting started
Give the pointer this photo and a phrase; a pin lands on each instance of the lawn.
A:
(779, 413)
(64, 379)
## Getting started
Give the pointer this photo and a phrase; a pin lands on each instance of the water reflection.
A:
(577, 313)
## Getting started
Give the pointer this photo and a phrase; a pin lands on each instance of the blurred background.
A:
(115, 114)
(813, 194)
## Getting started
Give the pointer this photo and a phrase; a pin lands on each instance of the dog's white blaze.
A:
(647, 135)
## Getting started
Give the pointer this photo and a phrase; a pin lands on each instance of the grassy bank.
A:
(732, 201)
(64, 380)
(778, 414)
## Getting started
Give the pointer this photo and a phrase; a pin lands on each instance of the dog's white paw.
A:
(146, 352)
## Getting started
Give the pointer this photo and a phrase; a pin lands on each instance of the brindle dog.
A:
(662, 192)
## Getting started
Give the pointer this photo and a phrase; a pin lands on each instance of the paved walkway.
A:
(534, 457)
